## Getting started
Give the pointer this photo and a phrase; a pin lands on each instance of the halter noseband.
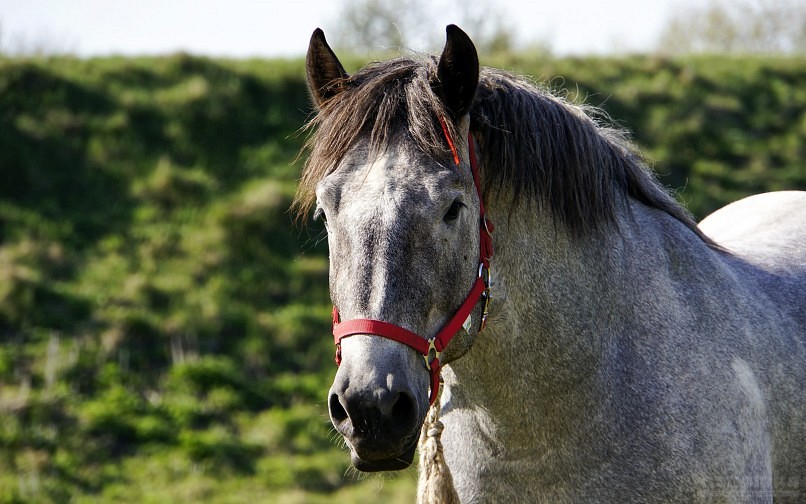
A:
(431, 349)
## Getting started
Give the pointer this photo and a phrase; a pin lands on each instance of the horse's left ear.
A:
(325, 72)
(458, 72)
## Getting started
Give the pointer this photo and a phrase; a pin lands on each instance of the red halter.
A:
(431, 349)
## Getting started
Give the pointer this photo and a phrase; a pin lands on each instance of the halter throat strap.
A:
(431, 349)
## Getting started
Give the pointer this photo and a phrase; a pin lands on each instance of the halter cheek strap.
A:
(431, 349)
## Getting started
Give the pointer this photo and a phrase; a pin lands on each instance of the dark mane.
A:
(533, 144)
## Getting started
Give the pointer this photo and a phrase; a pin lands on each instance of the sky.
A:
(274, 28)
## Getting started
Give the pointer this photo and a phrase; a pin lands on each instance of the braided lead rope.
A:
(435, 483)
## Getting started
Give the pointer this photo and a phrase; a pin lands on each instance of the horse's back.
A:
(765, 236)
(767, 228)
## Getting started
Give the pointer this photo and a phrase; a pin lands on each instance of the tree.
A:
(747, 27)
(379, 24)
(369, 25)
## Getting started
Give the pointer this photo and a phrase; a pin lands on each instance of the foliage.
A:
(380, 25)
(164, 327)
(737, 27)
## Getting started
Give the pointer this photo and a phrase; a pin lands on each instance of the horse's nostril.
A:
(403, 414)
(403, 407)
(337, 412)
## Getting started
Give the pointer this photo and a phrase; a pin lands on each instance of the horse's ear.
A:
(458, 72)
(326, 75)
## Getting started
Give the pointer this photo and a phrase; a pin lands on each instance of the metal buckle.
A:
(432, 348)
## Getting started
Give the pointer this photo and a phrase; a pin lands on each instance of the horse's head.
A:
(402, 216)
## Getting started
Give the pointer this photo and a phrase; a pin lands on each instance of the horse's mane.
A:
(533, 144)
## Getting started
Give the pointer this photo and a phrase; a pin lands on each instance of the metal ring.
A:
(484, 272)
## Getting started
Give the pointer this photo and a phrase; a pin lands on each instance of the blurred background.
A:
(272, 28)
(164, 327)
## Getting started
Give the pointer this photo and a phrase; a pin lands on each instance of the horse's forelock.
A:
(379, 102)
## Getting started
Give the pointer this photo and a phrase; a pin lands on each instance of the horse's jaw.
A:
(397, 463)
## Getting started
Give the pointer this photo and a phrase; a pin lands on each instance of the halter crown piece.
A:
(431, 349)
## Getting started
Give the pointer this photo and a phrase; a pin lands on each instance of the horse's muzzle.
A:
(381, 426)
(402, 461)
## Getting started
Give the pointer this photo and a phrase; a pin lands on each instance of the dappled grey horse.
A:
(629, 355)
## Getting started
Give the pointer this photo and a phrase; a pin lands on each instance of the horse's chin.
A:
(402, 461)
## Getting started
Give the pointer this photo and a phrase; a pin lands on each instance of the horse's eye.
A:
(453, 212)
(319, 214)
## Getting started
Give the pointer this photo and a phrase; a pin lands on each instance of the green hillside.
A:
(164, 328)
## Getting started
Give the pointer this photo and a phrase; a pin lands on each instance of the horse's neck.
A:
(558, 304)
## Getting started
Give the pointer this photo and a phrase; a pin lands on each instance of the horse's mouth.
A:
(397, 463)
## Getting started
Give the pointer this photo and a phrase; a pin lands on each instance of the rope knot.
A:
(435, 431)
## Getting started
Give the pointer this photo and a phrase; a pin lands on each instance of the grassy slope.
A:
(164, 327)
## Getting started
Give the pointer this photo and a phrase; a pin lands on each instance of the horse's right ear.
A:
(458, 72)
(326, 75)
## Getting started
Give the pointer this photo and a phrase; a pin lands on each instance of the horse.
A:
(506, 258)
